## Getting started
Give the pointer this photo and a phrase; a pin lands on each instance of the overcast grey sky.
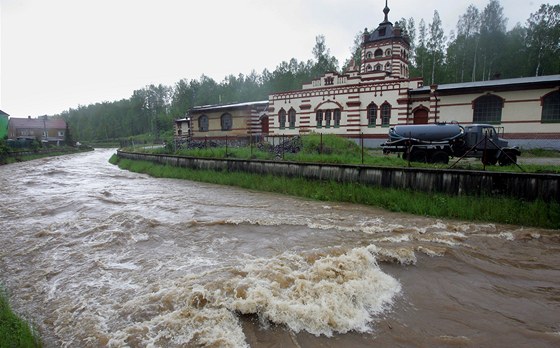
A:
(58, 54)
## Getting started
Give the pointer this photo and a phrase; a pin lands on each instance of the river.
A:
(96, 256)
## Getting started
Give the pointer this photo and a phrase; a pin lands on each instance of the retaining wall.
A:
(525, 186)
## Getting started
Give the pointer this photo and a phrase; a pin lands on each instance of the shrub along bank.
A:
(489, 209)
(14, 332)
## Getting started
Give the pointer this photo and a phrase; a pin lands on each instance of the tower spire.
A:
(386, 11)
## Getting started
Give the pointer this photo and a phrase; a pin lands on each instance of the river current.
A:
(96, 256)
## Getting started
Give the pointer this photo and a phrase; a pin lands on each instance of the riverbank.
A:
(14, 332)
(486, 209)
(22, 156)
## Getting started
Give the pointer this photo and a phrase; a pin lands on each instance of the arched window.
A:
(369, 55)
(388, 52)
(388, 67)
(226, 122)
(368, 68)
(378, 53)
(385, 114)
(282, 118)
(319, 118)
(203, 123)
(378, 67)
(488, 109)
(551, 107)
(372, 114)
(336, 117)
(328, 116)
(292, 118)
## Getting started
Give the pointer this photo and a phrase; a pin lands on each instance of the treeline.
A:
(479, 49)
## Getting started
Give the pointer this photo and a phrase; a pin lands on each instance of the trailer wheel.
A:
(489, 160)
(418, 156)
(439, 157)
(506, 161)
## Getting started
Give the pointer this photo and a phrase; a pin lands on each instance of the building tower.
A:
(385, 51)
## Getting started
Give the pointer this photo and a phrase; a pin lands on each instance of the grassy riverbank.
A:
(14, 332)
(338, 150)
(488, 209)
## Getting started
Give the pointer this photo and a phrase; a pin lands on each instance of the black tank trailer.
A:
(436, 143)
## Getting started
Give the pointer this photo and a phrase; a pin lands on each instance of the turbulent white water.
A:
(96, 256)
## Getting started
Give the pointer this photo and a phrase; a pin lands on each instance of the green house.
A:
(3, 124)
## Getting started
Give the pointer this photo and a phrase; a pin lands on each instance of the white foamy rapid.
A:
(317, 293)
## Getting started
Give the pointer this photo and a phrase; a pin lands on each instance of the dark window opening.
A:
(385, 114)
(488, 109)
(226, 122)
(282, 119)
(551, 107)
(203, 123)
(292, 118)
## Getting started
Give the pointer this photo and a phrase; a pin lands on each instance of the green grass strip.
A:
(484, 209)
(14, 332)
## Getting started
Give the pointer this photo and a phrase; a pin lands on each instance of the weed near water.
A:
(14, 332)
(488, 209)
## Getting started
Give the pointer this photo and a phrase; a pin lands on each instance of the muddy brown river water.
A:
(96, 256)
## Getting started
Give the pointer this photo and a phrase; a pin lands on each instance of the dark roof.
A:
(2, 113)
(385, 30)
(31, 123)
(206, 108)
(522, 82)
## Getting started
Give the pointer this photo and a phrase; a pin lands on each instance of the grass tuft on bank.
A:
(488, 209)
(14, 332)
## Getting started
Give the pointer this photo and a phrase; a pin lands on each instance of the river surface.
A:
(96, 256)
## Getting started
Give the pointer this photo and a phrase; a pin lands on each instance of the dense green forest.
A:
(480, 49)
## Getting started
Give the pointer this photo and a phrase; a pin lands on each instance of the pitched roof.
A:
(228, 106)
(30, 123)
(505, 83)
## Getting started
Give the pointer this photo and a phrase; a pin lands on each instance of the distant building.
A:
(47, 130)
(364, 101)
(3, 124)
(216, 122)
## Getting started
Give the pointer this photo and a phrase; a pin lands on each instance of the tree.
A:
(543, 39)
(492, 37)
(324, 62)
(436, 43)
(468, 34)
(421, 51)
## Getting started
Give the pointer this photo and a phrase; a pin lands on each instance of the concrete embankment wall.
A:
(524, 186)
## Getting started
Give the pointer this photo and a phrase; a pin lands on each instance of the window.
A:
(378, 67)
(551, 107)
(388, 67)
(372, 114)
(226, 122)
(336, 117)
(378, 53)
(292, 118)
(203, 123)
(385, 114)
(282, 118)
(488, 109)
(369, 55)
(388, 52)
(319, 118)
(328, 115)
(60, 133)
(368, 68)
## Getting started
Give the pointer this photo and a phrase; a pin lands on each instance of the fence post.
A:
(362, 141)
